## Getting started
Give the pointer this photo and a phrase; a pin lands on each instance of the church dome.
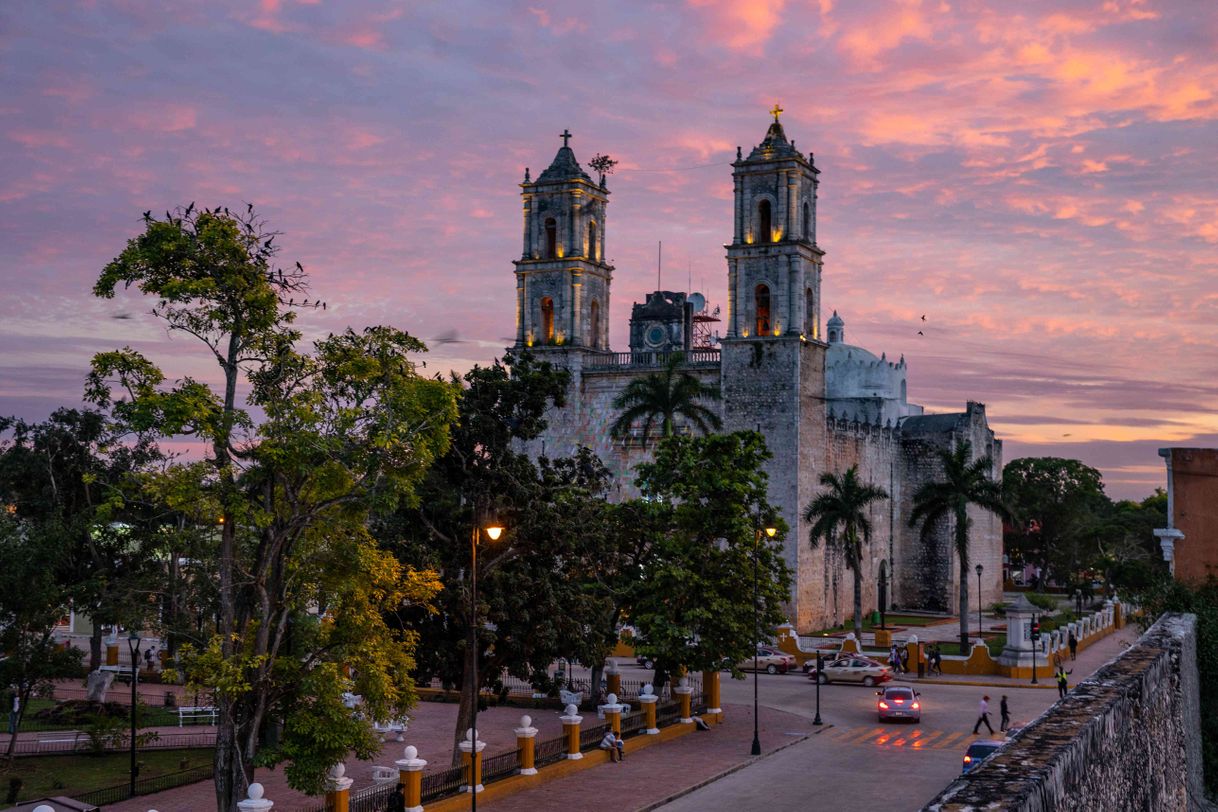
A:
(563, 167)
(836, 329)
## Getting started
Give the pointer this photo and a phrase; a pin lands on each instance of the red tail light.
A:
(968, 759)
(884, 705)
(899, 701)
(915, 706)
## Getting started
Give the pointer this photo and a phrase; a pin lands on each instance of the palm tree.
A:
(665, 394)
(964, 483)
(839, 517)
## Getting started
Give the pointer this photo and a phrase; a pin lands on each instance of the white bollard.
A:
(255, 802)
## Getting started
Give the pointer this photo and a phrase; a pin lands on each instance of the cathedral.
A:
(823, 404)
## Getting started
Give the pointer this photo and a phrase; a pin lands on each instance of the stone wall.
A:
(1127, 737)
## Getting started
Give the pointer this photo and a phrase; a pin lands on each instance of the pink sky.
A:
(1038, 178)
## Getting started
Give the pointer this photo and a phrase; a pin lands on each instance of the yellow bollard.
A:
(710, 686)
(338, 789)
(570, 729)
(684, 698)
(526, 741)
(471, 758)
(648, 700)
(410, 775)
(613, 714)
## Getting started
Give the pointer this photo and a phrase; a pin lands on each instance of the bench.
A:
(196, 713)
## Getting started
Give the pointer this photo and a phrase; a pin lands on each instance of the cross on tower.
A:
(776, 112)
(565, 136)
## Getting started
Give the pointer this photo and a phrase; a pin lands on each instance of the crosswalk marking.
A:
(917, 738)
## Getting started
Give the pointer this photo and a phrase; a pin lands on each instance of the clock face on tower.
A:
(655, 335)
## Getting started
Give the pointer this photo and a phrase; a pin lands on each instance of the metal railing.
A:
(646, 359)
(77, 742)
(371, 799)
(147, 786)
(500, 766)
(442, 784)
(550, 750)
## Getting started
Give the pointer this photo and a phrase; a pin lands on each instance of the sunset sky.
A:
(1038, 178)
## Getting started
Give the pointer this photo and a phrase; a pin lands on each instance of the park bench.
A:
(196, 712)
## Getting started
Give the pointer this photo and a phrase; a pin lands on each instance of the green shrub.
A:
(1042, 601)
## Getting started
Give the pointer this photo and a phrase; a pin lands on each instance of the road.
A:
(890, 766)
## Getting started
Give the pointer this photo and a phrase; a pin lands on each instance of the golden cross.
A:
(776, 112)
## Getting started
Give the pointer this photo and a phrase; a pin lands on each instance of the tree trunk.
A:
(962, 555)
(594, 684)
(465, 708)
(227, 767)
(95, 644)
(858, 607)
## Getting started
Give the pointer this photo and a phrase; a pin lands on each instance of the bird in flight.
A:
(923, 317)
(921, 333)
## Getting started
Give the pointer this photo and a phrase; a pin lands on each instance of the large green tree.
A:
(665, 395)
(692, 598)
(839, 516)
(965, 481)
(347, 427)
(1059, 507)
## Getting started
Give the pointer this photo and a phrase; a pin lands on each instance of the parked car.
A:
(852, 668)
(898, 703)
(789, 658)
(768, 661)
(978, 752)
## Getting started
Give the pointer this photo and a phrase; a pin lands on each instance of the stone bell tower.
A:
(773, 358)
(562, 279)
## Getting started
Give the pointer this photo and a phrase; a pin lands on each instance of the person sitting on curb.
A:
(609, 742)
(620, 746)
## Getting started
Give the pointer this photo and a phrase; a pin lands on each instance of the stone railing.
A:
(651, 360)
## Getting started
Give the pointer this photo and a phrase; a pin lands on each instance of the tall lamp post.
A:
(133, 645)
(819, 666)
(883, 596)
(493, 531)
(979, 569)
(769, 531)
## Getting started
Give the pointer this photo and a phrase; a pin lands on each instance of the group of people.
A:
(983, 716)
(898, 658)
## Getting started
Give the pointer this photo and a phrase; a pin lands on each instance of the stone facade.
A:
(1127, 737)
(1192, 497)
(822, 406)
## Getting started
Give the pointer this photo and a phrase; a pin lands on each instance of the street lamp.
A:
(133, 645)
(493, 531)
(883, 595)
(769, 531)
(819, 665)
(979, 570)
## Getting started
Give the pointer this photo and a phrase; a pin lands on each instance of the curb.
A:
(695, 787)
(980, 683)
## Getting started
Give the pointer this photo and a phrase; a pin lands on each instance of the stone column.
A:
(738, 199)
(684, 697)
(471, 760)
(410, 775)
(527, 250)
(570, 730)
(613, 713)
(577, 300)
(254, 802)
(732, 301)
(338, 789)
(710, 687)
(520, 310)
(526, 740)
(614, 679)
(648, 700)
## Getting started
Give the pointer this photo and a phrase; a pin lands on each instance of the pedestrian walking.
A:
(397, 800)
(936, 660)
(1005, 721)
(1073, 642)
(1063, 686)
(983, 716)
(904, 656)
(894, 658)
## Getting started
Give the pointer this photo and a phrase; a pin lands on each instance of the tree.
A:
(839, 517)
(692, 597)
(74, 475)
(31, 603)
(1058, 505)
(348, 427)
(526, 589)
(667, 394)
(965, 482)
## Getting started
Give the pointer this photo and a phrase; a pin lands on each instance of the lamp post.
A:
(493, 531)
(883, 596)
(133, 645)
(1035, 643)
(819, 666)
(769, 531)
(979, 569)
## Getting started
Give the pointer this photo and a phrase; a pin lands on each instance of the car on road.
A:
(851, 668)
(898, 702)
(978, 752)
(769, 661)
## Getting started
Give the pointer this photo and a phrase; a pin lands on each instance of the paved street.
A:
(891, 766)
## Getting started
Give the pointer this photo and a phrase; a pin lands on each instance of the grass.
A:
(74, 774)
(149, 716)
(994, 642)
(890, 618)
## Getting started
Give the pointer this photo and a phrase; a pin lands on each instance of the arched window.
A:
(807, 222)
(593, 248)
(761, 305)
(547, 319)
(809, 314)
(551, 238)
(594, 324)
(765, 231)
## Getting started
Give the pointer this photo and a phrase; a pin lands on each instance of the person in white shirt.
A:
(983, 716)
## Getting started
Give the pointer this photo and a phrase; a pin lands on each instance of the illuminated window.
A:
(594, 319)
(593, 253)
(547, 319)
(761, 306)
(765, 232)
(551, 238)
